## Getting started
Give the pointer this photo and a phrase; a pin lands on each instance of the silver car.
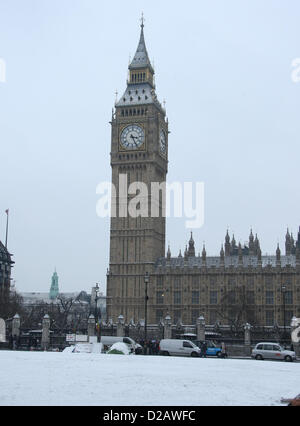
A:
(268, 350)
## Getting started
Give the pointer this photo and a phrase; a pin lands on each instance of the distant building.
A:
(54, 290)
(36, 298)
(5, 268)
(77, 305)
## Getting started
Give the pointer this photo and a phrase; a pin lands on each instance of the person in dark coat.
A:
(204, 349)
(11, 342)
(223, 350)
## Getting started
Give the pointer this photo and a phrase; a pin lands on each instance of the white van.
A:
(110, 340)
(178, 347)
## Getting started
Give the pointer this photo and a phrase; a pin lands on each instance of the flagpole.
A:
(7, 213)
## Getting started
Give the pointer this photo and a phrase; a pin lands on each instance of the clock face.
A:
(163, 143)
(132, 137)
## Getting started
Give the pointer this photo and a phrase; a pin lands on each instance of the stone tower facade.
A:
(139, 159)
(239, 286)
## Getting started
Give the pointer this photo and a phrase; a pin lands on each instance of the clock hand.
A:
(133, 138)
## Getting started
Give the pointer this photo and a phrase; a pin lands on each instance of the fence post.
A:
(121, 327)
(91, 325)
(2, 331)
(295, 335)
(201, 329)
(46, 333)
(168, 327)
(247, 339)
(15, 331)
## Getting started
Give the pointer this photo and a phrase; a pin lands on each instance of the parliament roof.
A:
(228, 262)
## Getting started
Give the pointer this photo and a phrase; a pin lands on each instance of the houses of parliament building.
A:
(237, 286)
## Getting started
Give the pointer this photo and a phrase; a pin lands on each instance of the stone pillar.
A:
(141, 329)
(247, 339)
(16, 326)
(91, 325)
(121, 326)
(295, 335)
(168, 327)
(131, 329)
(200, 329)
(46, 333)
(2, 331)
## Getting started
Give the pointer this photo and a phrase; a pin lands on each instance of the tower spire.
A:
(169, 253)
(54, 290)
(142, 20)
(191, 250)
(141, 57)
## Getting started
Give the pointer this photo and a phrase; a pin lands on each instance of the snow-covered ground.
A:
(45, 378)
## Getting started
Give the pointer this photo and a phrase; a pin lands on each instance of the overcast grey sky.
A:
(224, 68)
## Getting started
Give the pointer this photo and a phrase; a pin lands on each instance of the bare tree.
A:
(236, 308)
(11, 303)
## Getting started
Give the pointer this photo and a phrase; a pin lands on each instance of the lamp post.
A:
(283, 290)
(97, 289)
(146, 280)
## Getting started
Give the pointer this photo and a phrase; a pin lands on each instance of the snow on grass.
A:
(45, 378)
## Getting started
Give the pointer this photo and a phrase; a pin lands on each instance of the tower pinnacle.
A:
(54, 290)
(141, 57)
(142, 20)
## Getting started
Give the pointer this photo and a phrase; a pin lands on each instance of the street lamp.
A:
(97, 289)
(283, 289)
(146, 280)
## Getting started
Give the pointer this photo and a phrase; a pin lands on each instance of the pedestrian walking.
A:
(14, 343)
(157, 347)
(204, 349)
(223, 350)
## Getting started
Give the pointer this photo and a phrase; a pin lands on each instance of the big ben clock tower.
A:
(139, 154)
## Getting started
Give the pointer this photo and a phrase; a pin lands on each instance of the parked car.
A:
(108, 341)
(212, 348)
(268, 350)
(177, 347)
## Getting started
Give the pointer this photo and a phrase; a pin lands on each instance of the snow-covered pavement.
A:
(45, 378)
